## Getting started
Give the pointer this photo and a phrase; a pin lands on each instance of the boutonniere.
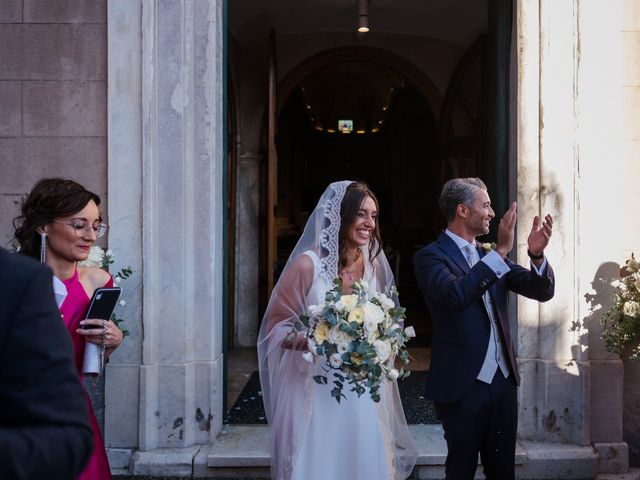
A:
(487, 247)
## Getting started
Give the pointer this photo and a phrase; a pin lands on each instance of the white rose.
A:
(631, 309)
(393, 374)
(410, 332)
(308, 356)
(383, 350)
(96, 255)
(335, 360)
(346, 302)
(373, 313)
(337, 336)
(637, 282)
(386, 302)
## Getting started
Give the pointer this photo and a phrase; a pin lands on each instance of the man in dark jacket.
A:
(473, 372)
(44, 426)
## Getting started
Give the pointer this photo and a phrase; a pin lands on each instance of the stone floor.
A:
(634, 474)
(244, 361)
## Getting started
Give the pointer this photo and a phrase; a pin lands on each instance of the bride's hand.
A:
(295, 342)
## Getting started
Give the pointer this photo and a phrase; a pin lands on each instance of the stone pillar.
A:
(630, 199)
(124, 134)
(168, 165)
(568, 142)
(247, 251)
(600, 216)
(528, 187)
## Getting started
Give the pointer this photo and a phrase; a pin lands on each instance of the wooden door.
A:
(272, 164)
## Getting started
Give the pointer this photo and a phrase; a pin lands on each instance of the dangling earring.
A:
(43, 247)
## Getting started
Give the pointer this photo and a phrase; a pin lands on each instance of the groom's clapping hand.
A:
(540, 235)
(506, 231)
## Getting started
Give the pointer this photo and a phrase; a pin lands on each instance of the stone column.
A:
(247, 250)
(527, 148)
(568, 139)
(598, 111)
(169, 166)
(124, 134)
(182, 213)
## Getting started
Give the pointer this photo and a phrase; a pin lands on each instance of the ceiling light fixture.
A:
(363, 16)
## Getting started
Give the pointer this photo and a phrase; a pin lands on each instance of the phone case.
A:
(103, 303)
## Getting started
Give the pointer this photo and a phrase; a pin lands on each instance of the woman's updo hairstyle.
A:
(50, 198)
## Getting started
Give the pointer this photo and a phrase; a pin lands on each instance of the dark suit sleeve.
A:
(529, 284)
(44, 428)
(444, 283)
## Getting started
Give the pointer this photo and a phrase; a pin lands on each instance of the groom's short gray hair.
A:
(458, 191)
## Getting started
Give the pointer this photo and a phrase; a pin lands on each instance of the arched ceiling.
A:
(457, 21)
(358, 91)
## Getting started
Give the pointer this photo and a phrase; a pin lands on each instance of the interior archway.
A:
(388, 140)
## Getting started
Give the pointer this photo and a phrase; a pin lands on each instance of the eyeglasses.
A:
(98, 228)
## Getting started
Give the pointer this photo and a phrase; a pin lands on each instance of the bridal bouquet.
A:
(621, 323)
(359, 336)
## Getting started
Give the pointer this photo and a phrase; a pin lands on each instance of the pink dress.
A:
(73, 310)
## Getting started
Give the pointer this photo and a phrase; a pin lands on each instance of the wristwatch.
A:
(535, 257)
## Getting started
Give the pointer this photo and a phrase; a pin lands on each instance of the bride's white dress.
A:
(346, 441)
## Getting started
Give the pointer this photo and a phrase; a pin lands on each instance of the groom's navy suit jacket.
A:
(453, 293)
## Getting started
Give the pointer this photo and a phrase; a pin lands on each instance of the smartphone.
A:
(102, 304)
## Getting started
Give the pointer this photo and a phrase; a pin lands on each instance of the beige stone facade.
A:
(53, 97)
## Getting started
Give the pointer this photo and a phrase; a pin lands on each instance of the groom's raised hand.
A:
(506, 231)
(540, 235)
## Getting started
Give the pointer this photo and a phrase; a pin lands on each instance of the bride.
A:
(312, 436)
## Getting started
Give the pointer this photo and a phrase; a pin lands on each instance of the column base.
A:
(613, 457)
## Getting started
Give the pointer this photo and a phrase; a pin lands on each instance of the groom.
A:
(473, 374)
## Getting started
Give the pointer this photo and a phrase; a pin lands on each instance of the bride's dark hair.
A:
(351, 204)
(49, 199)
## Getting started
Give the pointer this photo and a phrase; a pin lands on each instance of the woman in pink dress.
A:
(60, 221)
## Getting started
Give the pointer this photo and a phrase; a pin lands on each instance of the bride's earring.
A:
(43, 247)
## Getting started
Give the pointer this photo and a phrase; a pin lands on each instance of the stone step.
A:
(242, 452)
(632, 474)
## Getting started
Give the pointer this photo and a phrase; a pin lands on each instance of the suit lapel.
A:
(448, 246)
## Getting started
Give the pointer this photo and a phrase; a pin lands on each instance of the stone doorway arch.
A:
(418, 80)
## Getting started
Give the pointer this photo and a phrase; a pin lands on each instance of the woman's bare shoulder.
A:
(93, 277)
(303, 263)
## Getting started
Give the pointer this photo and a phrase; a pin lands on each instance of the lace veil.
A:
(286, 378)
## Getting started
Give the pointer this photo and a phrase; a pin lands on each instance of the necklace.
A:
(350, 273)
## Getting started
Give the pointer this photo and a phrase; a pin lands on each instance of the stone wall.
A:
(53, 91)
(630, 198)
